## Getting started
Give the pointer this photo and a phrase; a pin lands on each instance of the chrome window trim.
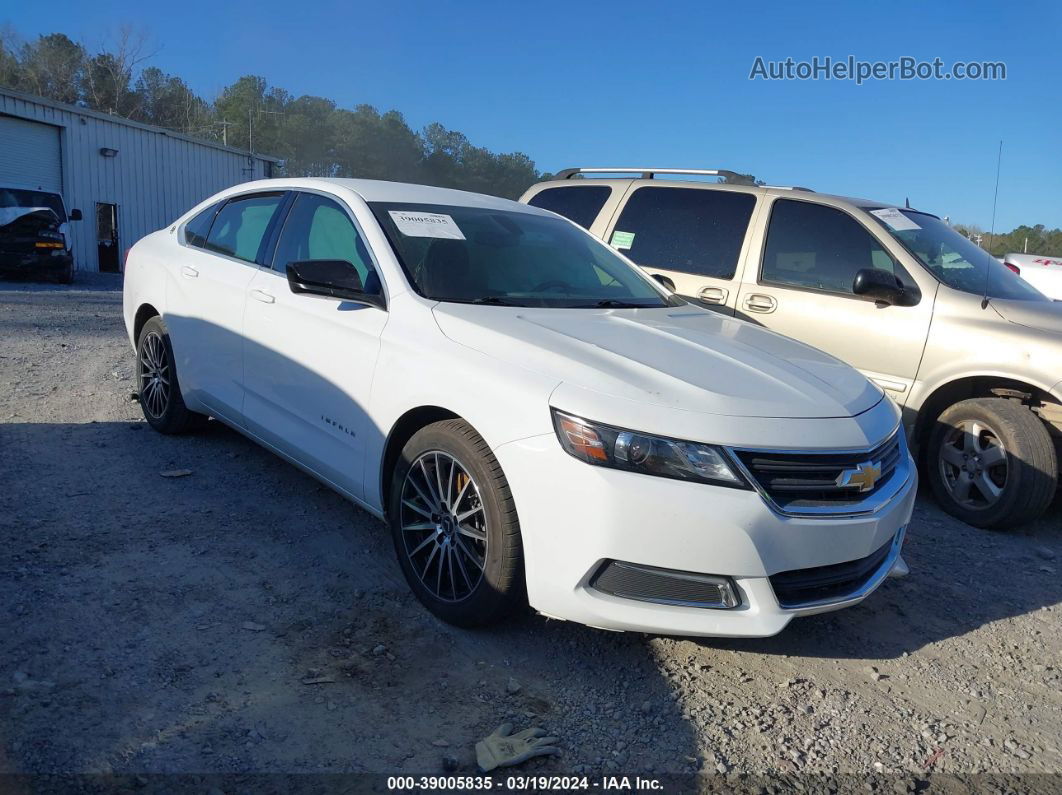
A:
(872, 504)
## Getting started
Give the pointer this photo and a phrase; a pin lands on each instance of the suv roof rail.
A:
(649, 173)
(789, 187)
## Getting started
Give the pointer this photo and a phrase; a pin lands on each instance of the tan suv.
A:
(971, 352)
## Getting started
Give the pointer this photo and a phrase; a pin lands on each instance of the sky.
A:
(657, 84)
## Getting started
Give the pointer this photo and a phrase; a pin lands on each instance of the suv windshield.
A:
(17, 197)
(489, 256)
(956, 261)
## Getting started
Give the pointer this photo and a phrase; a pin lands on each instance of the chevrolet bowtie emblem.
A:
(863, 477)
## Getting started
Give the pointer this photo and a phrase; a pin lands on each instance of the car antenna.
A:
(992, 231)
(907, 202)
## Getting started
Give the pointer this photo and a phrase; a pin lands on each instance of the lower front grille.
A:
(664, 586)
(835, 583)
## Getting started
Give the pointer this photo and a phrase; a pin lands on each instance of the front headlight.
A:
(603, 445)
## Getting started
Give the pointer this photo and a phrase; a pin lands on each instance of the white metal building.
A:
(128, 179)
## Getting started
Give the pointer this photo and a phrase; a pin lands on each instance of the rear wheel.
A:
(992, 463)
(156, 378)
(454, 526)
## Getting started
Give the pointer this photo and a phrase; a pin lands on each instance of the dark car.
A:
(32, 239)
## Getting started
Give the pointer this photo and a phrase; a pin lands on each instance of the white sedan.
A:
(536, 420)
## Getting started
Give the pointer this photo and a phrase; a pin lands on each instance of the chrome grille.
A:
(804, 482)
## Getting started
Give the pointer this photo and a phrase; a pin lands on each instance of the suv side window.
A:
(240, 226)
(578, 203)
(818, 247)
(319, 228)
(196, 230)
(691, 230)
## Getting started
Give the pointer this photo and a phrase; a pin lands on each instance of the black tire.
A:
(166, 413)
(1026, 478)
(500, 587)
(67, 276)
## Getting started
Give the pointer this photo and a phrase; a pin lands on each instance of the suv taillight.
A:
(1012, 267)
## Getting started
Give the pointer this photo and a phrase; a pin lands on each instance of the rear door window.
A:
(240, 226)
(578, 203)
(689, 230)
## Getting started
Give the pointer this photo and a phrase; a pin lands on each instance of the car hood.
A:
(1046, 315)
(29, 217)
(684, 358)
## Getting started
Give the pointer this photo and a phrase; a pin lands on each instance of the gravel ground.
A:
(245, 619)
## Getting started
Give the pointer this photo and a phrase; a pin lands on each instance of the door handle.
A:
(714, 295)
(263, 296)
(758, 302)
(189, 272)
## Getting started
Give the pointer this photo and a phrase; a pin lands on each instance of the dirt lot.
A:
(156, 624)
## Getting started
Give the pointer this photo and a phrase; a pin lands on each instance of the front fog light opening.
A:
(665, 586)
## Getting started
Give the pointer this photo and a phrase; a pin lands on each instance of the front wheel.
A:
(992, 463)
(66, 276)
(454, 526)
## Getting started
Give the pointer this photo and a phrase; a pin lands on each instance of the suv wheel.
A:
(992, 463)
(156, 379)
(454, 526)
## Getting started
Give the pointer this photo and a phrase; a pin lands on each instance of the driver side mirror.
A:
(880, 286)
(663, 280)
(75, 215)
(333, 278)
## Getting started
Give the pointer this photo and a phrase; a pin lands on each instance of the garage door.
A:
(31, 154)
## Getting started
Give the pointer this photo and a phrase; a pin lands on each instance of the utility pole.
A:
(250, 125)
(225, 131)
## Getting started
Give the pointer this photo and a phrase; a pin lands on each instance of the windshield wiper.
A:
(612, 303)
(496, 300)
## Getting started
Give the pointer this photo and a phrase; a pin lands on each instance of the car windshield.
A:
(17, 197)
(490, 256)
(959, 263)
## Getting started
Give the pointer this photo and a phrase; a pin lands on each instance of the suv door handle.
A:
(758, 302)
(714, 295)
(189, 272)
(263, 296)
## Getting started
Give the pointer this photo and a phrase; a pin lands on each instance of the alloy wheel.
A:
(444, 526)
(154, 375)
(973, 465)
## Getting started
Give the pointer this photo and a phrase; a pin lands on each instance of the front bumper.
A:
(574, 518)
(35, 264)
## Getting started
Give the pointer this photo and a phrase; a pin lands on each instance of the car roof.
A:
(375, 190)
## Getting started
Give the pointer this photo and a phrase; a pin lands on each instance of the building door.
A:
(107, 237)
(32, 155)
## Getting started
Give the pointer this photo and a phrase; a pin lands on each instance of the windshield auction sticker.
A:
(623, 240)
(426, 225)
(896, 220)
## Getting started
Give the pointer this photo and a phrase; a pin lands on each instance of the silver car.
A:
(970, 351)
